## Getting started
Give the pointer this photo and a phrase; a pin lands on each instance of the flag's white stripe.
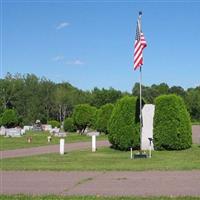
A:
(138, 61)
(138, 51)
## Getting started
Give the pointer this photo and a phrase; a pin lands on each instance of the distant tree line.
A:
(191, 96)
(35, 98)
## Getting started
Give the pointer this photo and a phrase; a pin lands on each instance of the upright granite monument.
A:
(147, 126)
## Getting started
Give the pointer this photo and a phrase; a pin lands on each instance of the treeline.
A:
(39, 98)
(191, 96)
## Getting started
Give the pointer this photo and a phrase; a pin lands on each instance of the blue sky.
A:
(90, 43)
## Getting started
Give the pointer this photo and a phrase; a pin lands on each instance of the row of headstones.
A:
(17, 131)
(12, 132)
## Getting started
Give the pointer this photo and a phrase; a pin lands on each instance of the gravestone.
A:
(46, 127)
(28, 128)
(93, 133)
(13, 132)
(37, 126)
(23, 131)
(147, 128)
(2, 130)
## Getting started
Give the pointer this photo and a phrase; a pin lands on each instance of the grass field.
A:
(24, 197)
(107, 159)
(40, 139)
(196, 123)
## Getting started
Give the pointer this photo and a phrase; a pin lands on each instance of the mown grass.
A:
(107, 159)
(40, 139)
(52, 197)
(196, 123)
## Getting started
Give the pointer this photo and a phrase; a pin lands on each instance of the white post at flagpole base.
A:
(62, 146)
(150, 151)
(93, 143)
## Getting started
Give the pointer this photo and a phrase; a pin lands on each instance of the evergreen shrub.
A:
(122, 126)
(84, 116)
(9, 118)
(54, 123)
(69, 125)
(172, 126)
(103, 116)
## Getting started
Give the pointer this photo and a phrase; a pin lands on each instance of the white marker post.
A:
(93, 143)
(131, 153)
(62, 146)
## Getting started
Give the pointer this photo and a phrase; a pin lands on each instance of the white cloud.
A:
(74, 62)
(62, 59)
(58, 58)
(62, 25)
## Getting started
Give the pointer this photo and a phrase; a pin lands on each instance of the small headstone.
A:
(55, 130)
(93, 133)
(23, 131)
(2, 130)
(28, 128)
(37, 126)
(46, 127)
(13, 132)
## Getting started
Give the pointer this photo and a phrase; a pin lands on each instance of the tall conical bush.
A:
(172, 126)
(122, 127)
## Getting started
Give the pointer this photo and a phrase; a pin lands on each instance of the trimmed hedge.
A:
(84, 115)
(122, 127)
(172, 126)
(9, 118)
(103, 116)
(54, 123)
(69, 125)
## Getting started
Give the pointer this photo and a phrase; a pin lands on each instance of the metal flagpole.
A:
(140, 16)
(140, 107)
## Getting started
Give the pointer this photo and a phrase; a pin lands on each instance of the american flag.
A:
(140, 44)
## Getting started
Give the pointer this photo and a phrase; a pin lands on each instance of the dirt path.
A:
(149, 183)
(49, 149)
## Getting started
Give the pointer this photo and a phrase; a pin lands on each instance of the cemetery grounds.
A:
(104, 160)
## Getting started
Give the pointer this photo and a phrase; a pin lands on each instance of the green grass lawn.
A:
(24, 197)
(40, 139)
(106, 159)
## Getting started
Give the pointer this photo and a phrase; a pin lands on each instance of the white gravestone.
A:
(2, 130)
(13, 132)
(147, 128)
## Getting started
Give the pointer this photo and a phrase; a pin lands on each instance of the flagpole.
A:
(140, 107)
(140, 18)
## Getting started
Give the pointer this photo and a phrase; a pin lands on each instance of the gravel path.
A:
(149, 183)
(49, 149)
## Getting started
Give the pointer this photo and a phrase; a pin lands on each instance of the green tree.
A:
(9, 118)
(69, 125)
(172, 127)
(122, 127)
(103, 116)
(54, 123)
(84, 115)
(104, 96)
(192, 100)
